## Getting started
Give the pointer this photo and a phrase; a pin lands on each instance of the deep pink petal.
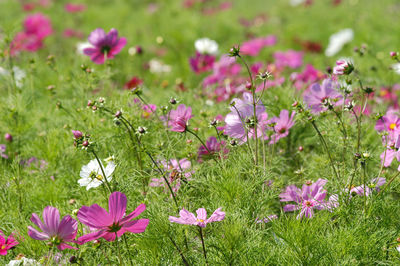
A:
(91, 236)
(51, 218)
(68, 228)
(94, 216)
(137, 226)
(117, 205)
(63, 246)
(133, 214)
(35, 234)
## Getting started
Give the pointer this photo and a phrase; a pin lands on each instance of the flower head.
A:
(92, 175)
(338, 40)
(310, 197)
(201, 220)
(213, 146)
(290, 58)
(6, 243)
(104, 45)
(241, 122)
(374, 184)
(322, 97)
(254, 46)
(113, 223)
(206, 46)
(281, 125)
(201, 62)
(57, 232)
(179, 118)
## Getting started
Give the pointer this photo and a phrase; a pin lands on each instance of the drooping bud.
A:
(77, 134)
(118, 114)
(8, 137)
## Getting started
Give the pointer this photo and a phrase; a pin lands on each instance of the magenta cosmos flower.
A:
(201, 220)
(178, 119)
(281, 125)
(201, 62)
(310, 197)
(114, 223)
(6, 243)
(57, 232)
(241, 123)
(319, 97)
(104, 45)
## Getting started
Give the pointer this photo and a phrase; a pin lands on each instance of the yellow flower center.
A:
(2, 247)
(200, 220)
(392, 126)
(99, 177)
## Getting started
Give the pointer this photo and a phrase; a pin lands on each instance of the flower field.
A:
(199, 132)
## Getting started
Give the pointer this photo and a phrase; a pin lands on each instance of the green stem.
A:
(326, 148)
(102, 171)
(202, 243)
(127, 248)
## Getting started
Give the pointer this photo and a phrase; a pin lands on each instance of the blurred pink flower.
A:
(201, 220)
(201, 62)
(305, 78)
(6, 243)
(56, 232)
(254, 46)
(104, 45)
(290, 58)
(114, 223)
(148, 110)
(74, 8)
(38, 25)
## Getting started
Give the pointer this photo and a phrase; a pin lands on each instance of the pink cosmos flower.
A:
(281, 125)
(310, 197)
(74, 8)
(268, 219)
(179, 118)
(319, 97)
(6, 243)
(343, 67)
(254, 47)
(133, 83)
(56, 232)
(390, 122)
(241, 123)
(201, 220)
(3, 151)
(290, 58)
(114, 223)
(177, 172)
(148, 110)
(392, 140)
(374, 184)
(308, 76)
(38, 25)
(213, 146)
(104, 45)
(201, 62)
(25, 42)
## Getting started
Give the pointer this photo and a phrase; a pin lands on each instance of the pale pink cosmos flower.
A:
(374, 184)
(343, 67)
(318, 97)
(54, 231)
(114, 223)
(241, 123)
(104, 45)
(6, 243)
(74, 8)
(268, 219)
(310, 197)
(3, 151)
(178, 119)
(390, 122)
(290, 58)
(254, 46)
(148, 110)
(186, 217)
(281, 125)
(177, 171)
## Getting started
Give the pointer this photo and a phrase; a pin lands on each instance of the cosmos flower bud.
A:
(77, 134)
(73, 259)
(249, 85)
(90, 103)
(234, 51)
(118, 114)
(141, 130)
(172, 100)
(343, 67)
(393, 54)
(8, 137)
(85, 143)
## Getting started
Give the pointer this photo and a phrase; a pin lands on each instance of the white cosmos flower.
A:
(157, 66)
(296, 2)
(92, 176)
(338, 40)
(19, 75)
(396, 68)
(80, 46)
(206, 46)
(23, 261)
